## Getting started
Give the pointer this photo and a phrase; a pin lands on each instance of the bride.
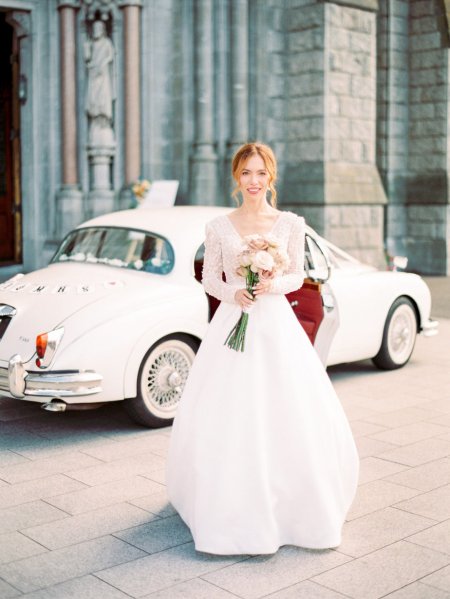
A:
(261, 453)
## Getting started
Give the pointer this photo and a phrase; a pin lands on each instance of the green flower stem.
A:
(236, 337)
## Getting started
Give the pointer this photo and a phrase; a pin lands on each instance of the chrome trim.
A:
(20, 383)
(430, 328)
(63, 384)
(16, 376)
(4, 385)
(6, 310)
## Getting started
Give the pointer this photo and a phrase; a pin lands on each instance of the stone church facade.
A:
(351, 94)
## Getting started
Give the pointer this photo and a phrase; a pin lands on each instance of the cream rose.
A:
(262, 261)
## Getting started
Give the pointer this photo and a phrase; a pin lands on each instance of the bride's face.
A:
(254, 179)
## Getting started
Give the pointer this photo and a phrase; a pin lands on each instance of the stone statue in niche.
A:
(100, 58)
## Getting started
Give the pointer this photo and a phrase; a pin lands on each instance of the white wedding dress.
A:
(261, 452)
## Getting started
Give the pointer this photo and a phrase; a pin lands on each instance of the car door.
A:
(314, 303)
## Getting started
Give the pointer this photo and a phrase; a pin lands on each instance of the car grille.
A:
(6, 314)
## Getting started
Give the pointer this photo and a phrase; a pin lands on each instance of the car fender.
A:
(129, 340)
(364, 301)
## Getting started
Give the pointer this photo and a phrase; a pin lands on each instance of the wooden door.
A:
(10, 213)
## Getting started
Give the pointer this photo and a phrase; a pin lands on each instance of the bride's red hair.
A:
(240, 160)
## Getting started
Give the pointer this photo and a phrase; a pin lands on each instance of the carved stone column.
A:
(132, 44)
(204, 183)
(69, 197)
(239, 76)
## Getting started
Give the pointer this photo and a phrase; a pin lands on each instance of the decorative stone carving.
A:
(104, 8)
(100, 63)
(21, 21)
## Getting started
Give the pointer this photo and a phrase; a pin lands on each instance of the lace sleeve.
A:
(293, 279)
(213, 268)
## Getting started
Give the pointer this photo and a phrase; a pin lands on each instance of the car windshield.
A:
(122, 248)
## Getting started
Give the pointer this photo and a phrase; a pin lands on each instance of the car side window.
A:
(198, 262)
(316, 264)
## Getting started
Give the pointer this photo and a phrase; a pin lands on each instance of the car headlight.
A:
(46, 346)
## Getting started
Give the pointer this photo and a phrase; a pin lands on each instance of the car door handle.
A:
(328, 301)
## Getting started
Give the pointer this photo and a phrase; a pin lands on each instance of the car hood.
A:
(45, 299)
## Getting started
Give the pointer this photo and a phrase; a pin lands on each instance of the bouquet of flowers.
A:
(261, 257)
(139, 189)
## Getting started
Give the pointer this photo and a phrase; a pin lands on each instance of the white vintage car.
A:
(120, 312)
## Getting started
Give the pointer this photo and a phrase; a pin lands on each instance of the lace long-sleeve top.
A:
(223, 243)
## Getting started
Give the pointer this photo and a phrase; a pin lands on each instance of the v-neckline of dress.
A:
(269, 232)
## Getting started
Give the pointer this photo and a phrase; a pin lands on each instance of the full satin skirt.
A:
(261, 453)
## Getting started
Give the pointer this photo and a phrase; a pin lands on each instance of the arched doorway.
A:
(10, 201)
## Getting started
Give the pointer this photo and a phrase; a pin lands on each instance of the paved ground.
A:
(83, 510)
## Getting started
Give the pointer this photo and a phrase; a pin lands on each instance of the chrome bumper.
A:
(430, 327)
(20, 383)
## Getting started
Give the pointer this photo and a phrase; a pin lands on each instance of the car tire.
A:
(399, 335)
(161, 379)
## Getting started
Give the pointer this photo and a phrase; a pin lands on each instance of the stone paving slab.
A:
(383, 571)
(84, 510)
(164, 569)
(41, 571)
(86, 587)
(90, 525)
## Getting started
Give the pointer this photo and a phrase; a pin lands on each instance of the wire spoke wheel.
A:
(162, 377)
(399, 335)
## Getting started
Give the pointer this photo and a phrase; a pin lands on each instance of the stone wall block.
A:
(421, 9)
(400, 8)
(362, 129)
(333, 106)
(358, 20)
(357, 107)
(306, 128)
(301, 18)
(360, 42)
(440, 109)
(310, 39)
(426, 128)
(276, 63)
(363, 87)
(305, 106)
(277, 108)
(274, 41)
(419, 112)
(304, 84)
(426, 41)
(426, 60)
(338, 128)
(339, 39)
(352, 151)
(275, 85)
(346, 62)
(334, 150)
(304, 62)
(277, 19)
(305, 150)
(401, 42)
(426, 162)
(275, 129)
(297, 3)
(369, 237)
(340, 83)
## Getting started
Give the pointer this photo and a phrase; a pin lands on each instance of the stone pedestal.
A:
(101, 196)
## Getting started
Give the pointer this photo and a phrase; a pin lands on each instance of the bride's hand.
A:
(263, 286)
(243, 298)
